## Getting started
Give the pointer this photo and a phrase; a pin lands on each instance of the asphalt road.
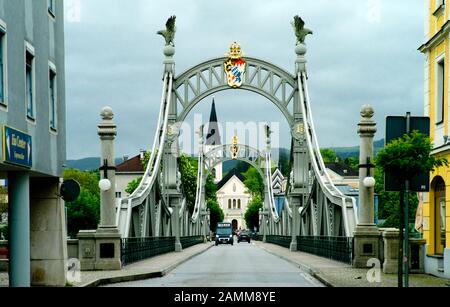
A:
(240, 265)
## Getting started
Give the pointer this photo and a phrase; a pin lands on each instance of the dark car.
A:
(244, 236)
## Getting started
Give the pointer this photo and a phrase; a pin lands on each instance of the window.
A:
(234, 203)
(229, 204)
(29, 75)
(440, 96)
(118, 194)
(439, 217)
(2, 67)
(239, 204)
(51, 6)
(52, 99)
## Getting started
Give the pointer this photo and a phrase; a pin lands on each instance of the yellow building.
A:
(436, 207)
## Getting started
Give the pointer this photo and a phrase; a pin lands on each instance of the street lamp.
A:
(368, 182)
(104, 185)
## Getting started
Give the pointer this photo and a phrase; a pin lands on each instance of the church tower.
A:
(213, 140)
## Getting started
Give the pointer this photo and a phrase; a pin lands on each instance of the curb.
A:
(143, 276)
(314, 273)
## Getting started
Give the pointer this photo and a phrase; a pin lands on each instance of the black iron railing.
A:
(280, 240)
(336, 248)
(137, 249)
(191, 241)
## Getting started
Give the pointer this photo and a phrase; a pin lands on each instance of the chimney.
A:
(125, 158)
(142, 154)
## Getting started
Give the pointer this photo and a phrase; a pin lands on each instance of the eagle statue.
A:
(169, 33)
(300, 31)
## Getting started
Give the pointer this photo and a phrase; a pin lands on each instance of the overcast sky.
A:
(362, 51)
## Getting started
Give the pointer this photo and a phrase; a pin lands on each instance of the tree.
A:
(404, 158)
(188, 180)
(389, 202)
(84, 213)
(254, 182)
(252, 214)
(216, 214)
(210, 189)
(352, 162)
(409, 156)
(133, 185)
(328, 155)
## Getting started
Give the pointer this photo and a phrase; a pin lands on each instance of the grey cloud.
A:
(114, 58)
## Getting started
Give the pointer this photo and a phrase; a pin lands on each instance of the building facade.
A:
(436, 203)
(233, 198)
(32, 116)
(128, 171)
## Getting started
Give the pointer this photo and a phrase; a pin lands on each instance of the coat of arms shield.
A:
(235, 66)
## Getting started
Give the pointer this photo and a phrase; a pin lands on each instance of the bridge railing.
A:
(283, 241)
(137, 249)
(335, 248)
(191, 241)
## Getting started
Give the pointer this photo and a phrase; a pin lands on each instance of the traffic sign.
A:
(396, 127)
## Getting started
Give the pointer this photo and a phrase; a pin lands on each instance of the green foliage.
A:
(252, 214)
(87, 180)
(389, 203)
(409, 156)
(216, 212)
(84, 213)
(210, 189)
(4, 231)
(133, 185)
(352, 162)
(403, 158)
(328, 155)
(188, 180)
(254, 182)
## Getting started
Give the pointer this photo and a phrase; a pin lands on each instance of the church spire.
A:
(213, 136)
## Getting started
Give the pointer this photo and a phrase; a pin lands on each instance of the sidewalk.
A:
(154, 267)
(337, 274)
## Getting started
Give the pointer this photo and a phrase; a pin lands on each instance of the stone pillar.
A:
(48, 234)
(295, 223)
(366, 234)
(100, 250)
(107, 132)
(176, 205)
(19, 221)
(390, 238)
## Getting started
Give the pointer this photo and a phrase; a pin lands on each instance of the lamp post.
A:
(366, 234)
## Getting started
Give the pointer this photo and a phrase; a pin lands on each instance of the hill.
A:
(87, 164)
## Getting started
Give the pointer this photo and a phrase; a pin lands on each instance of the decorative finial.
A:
(367, 111)
(235, 140)
(234, 149)
(107, 113)
(235, 51)
(300, 31)
(169, 33)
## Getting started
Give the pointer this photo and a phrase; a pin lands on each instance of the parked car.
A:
(244, 236)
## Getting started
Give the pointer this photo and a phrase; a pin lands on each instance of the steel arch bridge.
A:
(314, 206)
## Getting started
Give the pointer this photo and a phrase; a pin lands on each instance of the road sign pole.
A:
(400, 243)
(406, 244)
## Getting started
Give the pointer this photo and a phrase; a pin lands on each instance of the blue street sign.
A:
(17, 147)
